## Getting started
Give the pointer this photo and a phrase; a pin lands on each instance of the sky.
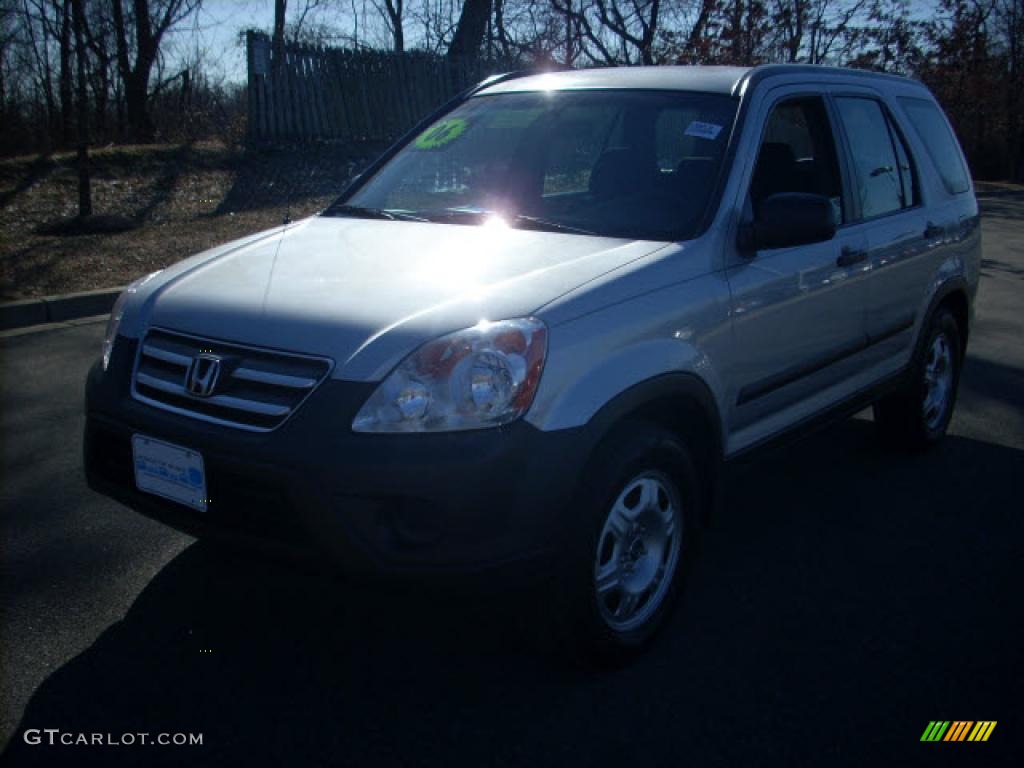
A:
(213, 33)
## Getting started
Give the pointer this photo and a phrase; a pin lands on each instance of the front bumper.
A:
(374, 503)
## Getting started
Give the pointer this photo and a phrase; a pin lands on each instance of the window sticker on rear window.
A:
(701, 130)
(440, 134)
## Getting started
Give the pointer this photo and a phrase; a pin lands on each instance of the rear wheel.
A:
(633, 533)
(918, 415)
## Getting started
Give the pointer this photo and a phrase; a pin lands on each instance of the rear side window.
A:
(881, 178)
(942, 147)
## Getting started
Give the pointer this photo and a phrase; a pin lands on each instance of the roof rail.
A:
(763, 71)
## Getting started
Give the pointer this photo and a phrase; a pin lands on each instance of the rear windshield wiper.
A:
(362, 212)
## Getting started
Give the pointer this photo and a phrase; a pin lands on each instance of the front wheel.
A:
(633, 530)
(637, 551)
(918, 415)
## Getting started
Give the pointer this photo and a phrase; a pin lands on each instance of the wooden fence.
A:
(332, 93)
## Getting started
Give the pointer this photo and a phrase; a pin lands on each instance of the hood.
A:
(366, 293)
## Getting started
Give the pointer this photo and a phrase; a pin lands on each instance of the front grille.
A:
(257, 389)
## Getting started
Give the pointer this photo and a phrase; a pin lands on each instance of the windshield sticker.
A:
(701, 130)
(442, 133)
(515, 118)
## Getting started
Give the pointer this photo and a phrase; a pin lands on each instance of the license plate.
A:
(171, 471)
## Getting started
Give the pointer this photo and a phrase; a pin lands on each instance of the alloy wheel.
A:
(638, 551)
(938, 381)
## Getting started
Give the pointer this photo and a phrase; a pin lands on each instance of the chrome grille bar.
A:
(258, 388)
(277, 379)
(166, 355)
(249, 406)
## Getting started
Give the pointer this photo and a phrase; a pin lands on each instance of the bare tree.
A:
(635, 26)
(832, 35)
(469, 33)
(1011, 23)
(697, 42)
(391, 12)
(36, 26)
(151, 19)
(611, 31)
(98, 31)
(277, 39)
(6, 20)
(84, 182)
(308, 6)
(62, 9)
(531, 31)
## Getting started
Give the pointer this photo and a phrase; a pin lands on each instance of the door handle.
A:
(850, 256)
(932, 231)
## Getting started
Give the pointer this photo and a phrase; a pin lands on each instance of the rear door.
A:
(899, 233)
(797, 312)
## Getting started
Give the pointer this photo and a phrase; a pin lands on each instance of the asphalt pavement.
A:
(845, 596)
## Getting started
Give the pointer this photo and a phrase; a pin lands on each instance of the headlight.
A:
(117, 313)
(481, 377)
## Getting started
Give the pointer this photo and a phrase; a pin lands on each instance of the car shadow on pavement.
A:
(846, 596)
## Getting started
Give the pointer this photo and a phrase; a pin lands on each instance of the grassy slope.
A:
(185, 198)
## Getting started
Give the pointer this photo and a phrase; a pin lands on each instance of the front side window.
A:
(636, 164)
(798, 154)
(880, 176)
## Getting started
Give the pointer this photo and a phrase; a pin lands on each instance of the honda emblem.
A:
(203, 372)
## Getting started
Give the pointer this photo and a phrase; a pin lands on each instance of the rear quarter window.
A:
(930, 124)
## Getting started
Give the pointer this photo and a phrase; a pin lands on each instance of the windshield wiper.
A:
(546, 225)
(458, 213)
(519, 220)
(361, 212)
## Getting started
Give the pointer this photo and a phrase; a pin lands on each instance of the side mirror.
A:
(788, 219)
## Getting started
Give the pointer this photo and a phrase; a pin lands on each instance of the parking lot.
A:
(845, 596)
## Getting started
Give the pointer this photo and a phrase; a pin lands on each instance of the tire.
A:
(917, 416)
(631, 537)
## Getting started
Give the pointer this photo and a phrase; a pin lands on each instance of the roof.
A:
(706, 79)
(676, 78)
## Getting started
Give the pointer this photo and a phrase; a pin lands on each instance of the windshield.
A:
(635, 164)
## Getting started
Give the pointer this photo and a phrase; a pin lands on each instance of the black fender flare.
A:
(635, 401)
(955, 284)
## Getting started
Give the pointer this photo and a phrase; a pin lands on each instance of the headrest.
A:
(618, 171)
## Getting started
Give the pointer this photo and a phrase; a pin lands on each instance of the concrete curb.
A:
(56, 309)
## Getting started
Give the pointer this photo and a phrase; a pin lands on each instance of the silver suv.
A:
(530, 335)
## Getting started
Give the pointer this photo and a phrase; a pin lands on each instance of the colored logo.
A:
(444, 132)
(958, 730)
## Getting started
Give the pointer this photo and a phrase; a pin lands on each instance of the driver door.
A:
(797, 312)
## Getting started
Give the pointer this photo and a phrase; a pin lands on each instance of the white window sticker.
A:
(703, 130)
